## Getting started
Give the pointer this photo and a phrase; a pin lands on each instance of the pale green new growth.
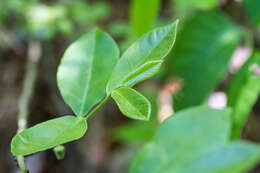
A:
(132, 104)
(143, 58)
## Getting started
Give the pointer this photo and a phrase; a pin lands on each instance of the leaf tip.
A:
(176, 22)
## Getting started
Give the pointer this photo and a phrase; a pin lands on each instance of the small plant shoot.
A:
(195, 139)
(89, 73)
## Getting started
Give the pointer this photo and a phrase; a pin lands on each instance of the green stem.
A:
(98, 106)
(21, 163)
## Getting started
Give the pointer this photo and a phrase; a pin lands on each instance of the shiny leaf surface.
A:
(143, 58)
(48, 134)
(131, 103)
(85, 69)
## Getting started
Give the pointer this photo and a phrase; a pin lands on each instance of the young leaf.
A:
(85, 69)
(143, 58)
(198, 142)
(241, 99)
(48, 134)
(139, 132)
(140, 21)
(131, 103)
(201, 56)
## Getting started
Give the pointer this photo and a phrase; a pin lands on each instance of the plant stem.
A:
(34, 54)
(98, 106)
(21, 163)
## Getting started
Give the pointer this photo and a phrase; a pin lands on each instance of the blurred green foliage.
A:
(184, 8)
(123, 32)
(143, 20)
(253, 11)
(196, 4)
(243, 92)
(196, 140)
(87, 14)
(200, 59)
(44, 20)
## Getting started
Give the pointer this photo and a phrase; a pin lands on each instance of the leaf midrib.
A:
(145, 59)
(78, 121)
(42, 146)
(125, 99)
(88, 78)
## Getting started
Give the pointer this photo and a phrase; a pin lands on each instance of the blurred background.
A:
(215, 38)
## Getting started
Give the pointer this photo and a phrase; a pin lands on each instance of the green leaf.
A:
(243, 92)
(196, 140)
(131, 103)
(48, 134)
(201, 56)
(85, 69)
(252, 11)
(136, 132)
(143, 59)
(143, 16)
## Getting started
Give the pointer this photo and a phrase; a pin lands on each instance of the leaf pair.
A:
(196, 140)
(88, 72)
(139, 62)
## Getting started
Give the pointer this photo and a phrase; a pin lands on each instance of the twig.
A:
(34, 54)
(98, 106)
(165, 109)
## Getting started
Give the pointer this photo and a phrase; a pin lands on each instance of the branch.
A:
(34, 54)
